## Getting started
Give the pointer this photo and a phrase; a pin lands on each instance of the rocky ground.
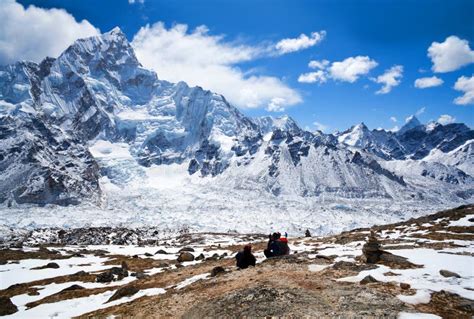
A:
(420, 268)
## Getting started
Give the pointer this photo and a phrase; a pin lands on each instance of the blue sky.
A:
(388, 33)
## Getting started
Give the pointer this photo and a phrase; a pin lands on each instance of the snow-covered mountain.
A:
(94, 123)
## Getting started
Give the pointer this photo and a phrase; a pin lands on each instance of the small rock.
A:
(404, 286)
(73, 287)
(368, 279)
(188, 249)
(141, 275)
(126, 291)
(105, 277)
(7, 307)
(179, 266)
(148, 255)
(217, 270)
(162, 252)
(80, 273)
(200, 257)
(47, 266)
(447, 273)
(185, 256)
(135, 256)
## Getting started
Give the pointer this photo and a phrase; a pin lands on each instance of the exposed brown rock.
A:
(7, 307)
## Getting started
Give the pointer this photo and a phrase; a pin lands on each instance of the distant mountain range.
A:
(94, 115)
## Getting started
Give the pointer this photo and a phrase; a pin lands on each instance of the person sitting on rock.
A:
(245, 258)
(273, 246)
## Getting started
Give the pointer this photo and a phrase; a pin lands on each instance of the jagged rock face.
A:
(41, 166)
(416, 141)
(97, 91)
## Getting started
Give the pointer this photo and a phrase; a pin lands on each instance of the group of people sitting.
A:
(277, 246)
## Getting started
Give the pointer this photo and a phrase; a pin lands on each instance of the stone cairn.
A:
(371, 249)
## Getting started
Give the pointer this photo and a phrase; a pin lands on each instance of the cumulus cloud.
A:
(428, 82)
(300, 43)
(199, 58)
(321, 65)
(34, 33)
(465, 85)
(351, 68)
(446, 119)
(450, 55)
(389, 79)
(312, 77)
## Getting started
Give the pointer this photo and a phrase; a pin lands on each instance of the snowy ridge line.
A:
(95, 127)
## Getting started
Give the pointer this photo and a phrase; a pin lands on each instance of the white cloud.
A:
(465, 85)
(446, 119)
(351, 68)
(450, 55)
(318, 64)
(420, 111)
(312, 77)
(34, 33)
(302, 42)
(321, 127)
(390, 79)
(428, 82)
(277, 104)
(393, 119)
(136, 1)
(199, 58)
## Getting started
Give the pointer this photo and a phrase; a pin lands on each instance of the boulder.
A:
(139, 275)
(105, 277)
(200, 257)
(7, 307)
(447, 273)
(368, 279)
(126, 291)
(185, 256)
(162, 252)
(217, 270)
(404, 286)
(47, 266)
(188, 249)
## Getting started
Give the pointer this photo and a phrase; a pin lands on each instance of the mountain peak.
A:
(410, 123)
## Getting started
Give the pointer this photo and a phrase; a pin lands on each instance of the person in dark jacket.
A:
(245, 258)
(273, 246)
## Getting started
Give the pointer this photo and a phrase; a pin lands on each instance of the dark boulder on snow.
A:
(7, 307)
(185, 256)
(47, 266)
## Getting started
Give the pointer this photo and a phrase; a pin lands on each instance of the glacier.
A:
(91, 138)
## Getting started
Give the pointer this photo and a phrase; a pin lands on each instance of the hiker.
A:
(273, 248)
(283, 243)
(307, 233)
(245, 258)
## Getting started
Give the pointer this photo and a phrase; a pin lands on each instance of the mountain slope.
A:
(94, 119)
